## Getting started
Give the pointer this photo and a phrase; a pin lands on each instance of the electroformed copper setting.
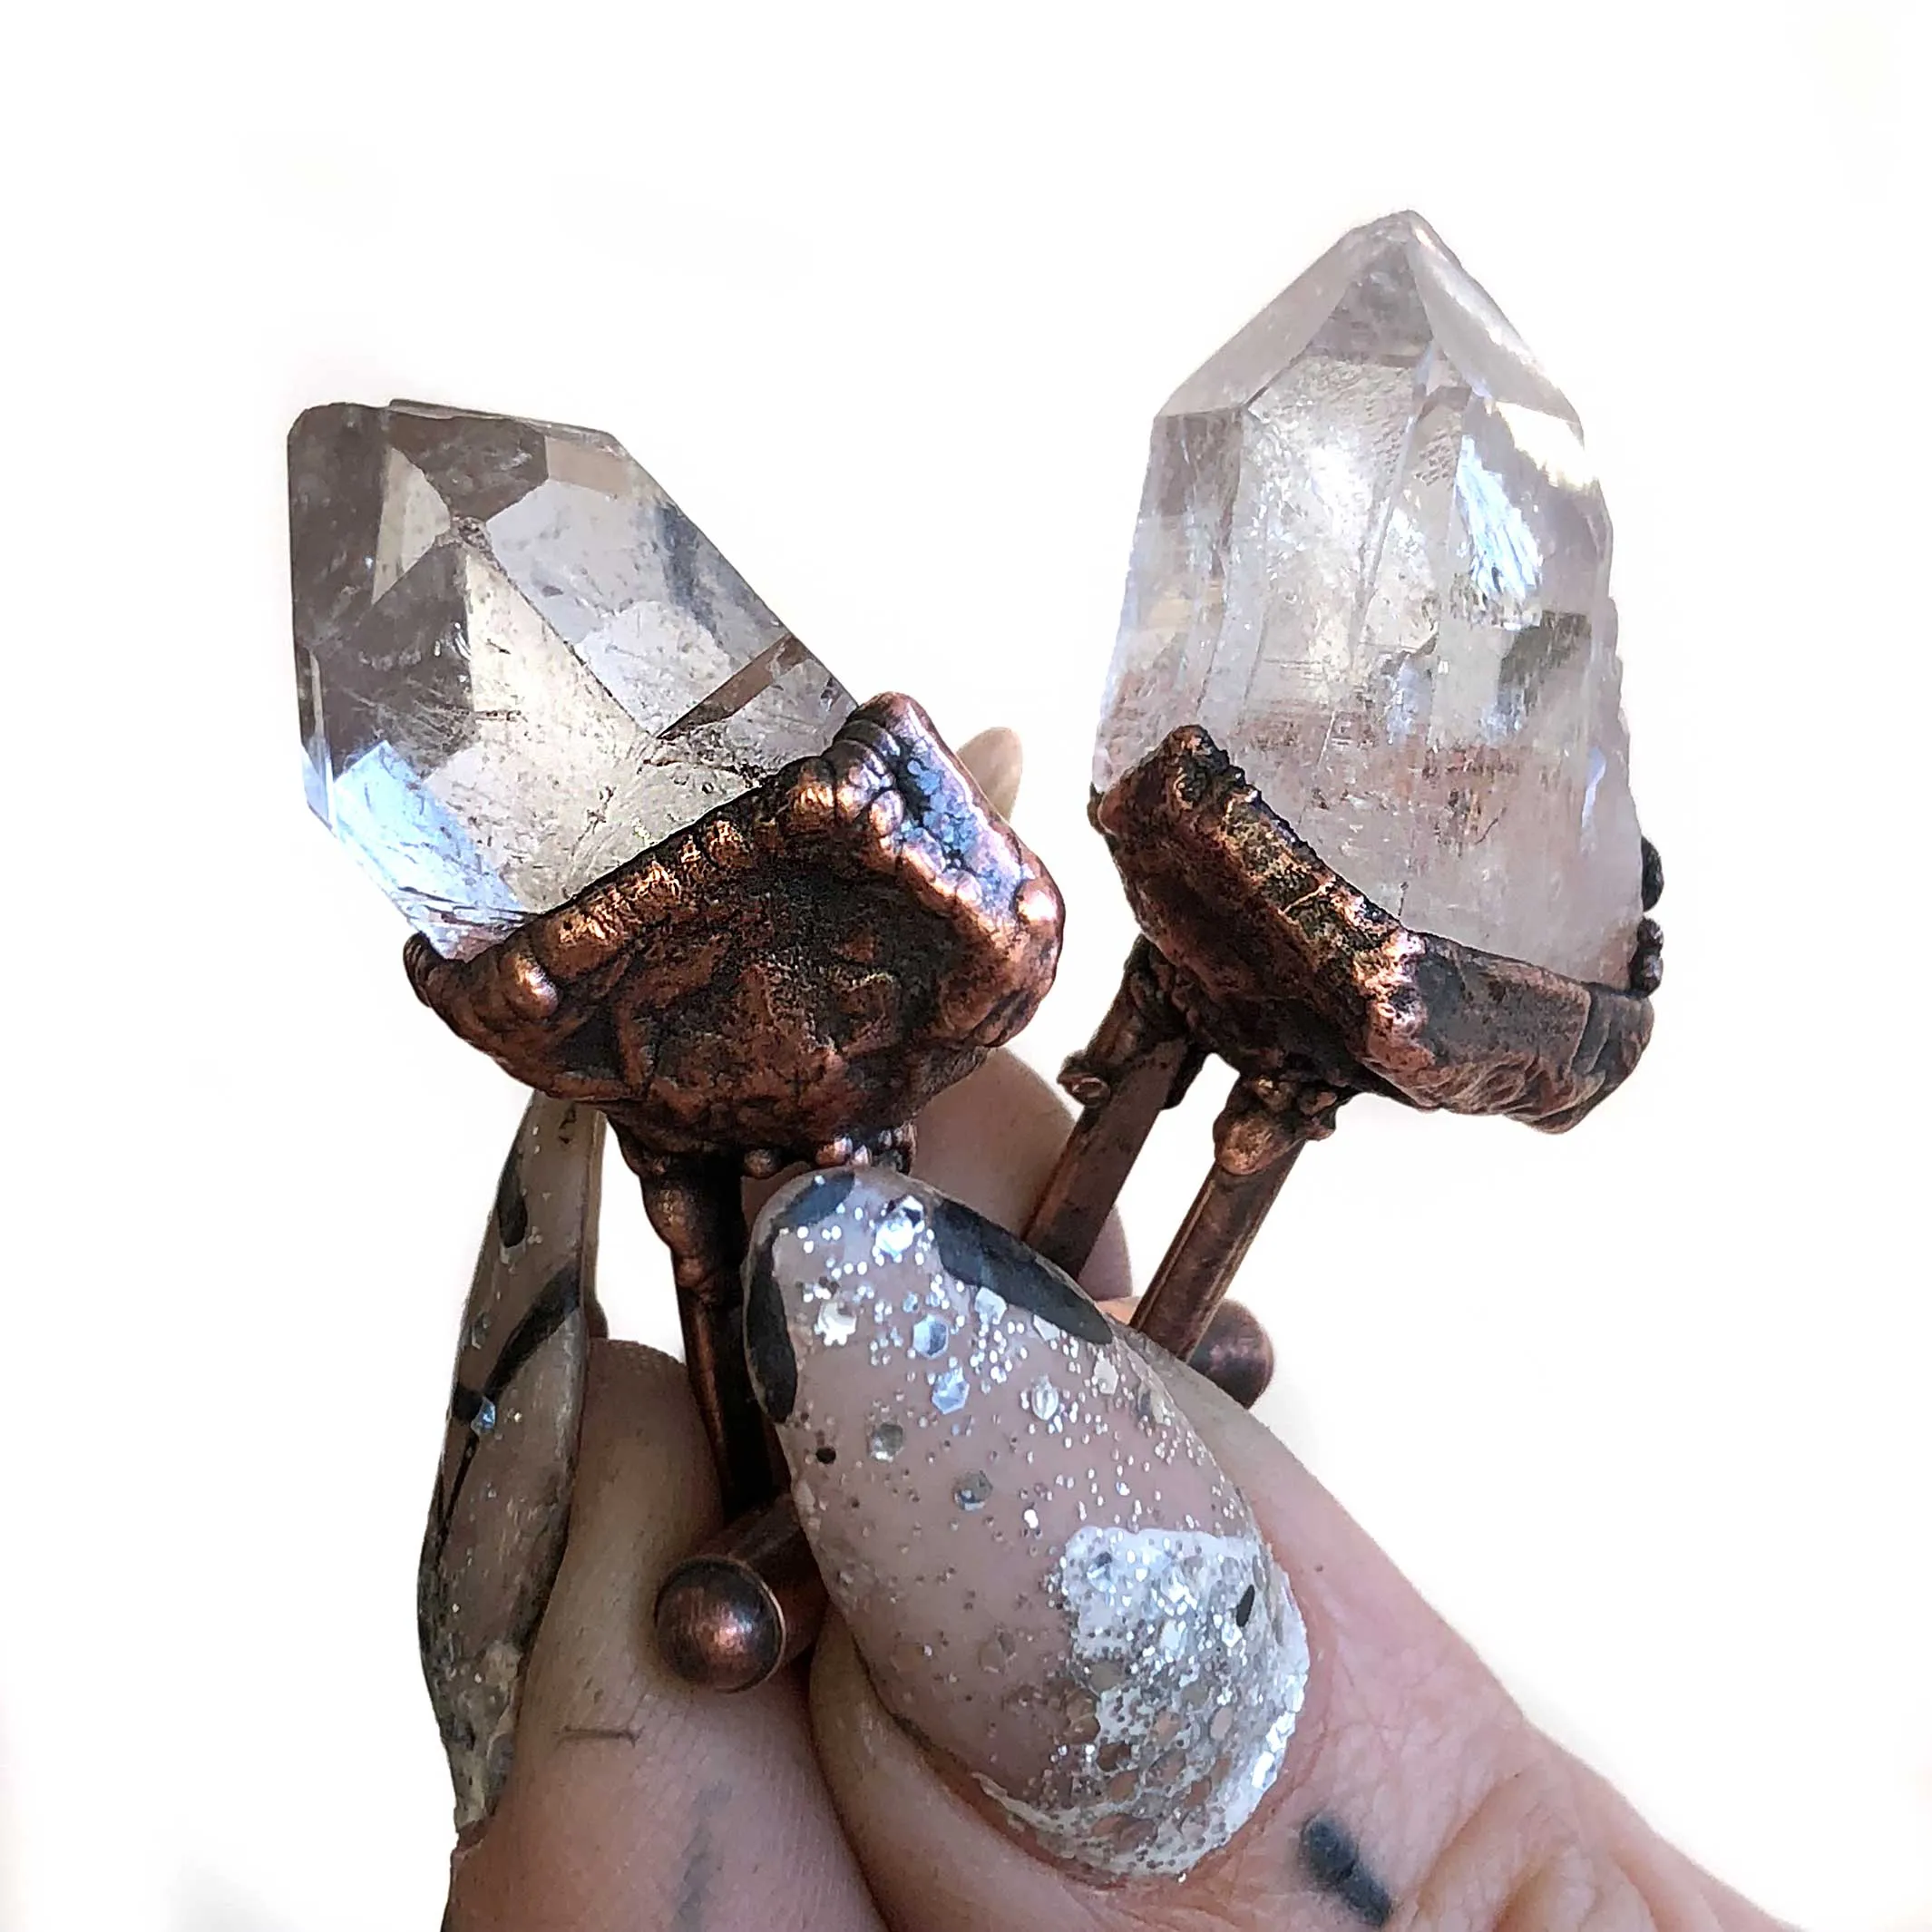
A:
(1252, 948)
(791, 979)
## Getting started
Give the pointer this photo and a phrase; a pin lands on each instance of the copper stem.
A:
(697, 1210)
(1138, 1062)
(1255, 1147)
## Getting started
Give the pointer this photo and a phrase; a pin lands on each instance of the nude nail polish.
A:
(1052, 1582)
(502, 1498)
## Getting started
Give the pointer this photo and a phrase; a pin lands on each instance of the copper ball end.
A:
(1235, 1354)
(719, 1626)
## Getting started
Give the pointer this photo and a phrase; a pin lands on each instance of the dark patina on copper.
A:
(1256, 950)
(792, 978)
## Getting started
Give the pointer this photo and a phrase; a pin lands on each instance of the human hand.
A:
(1412, 1792)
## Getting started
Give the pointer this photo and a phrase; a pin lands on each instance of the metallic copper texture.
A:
(698, 1209)
(737, 1611)
(1262, 953)
(1260, 1132)
(1284, 969)
(1139, 1062)
(1235, 1354)
(792, 978)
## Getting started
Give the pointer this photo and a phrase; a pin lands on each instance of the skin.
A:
(1414, 1794)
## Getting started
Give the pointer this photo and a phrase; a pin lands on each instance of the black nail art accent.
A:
(824, 1452)
(555, 1303)
(1333, 1860)
(983, 1253)
(558, 1299)
(825, 1195)
(1244, 1609)
(465, 1405)
(512, 1210)
(768, 1345)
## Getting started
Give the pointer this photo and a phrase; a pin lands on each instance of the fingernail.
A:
(501, 1502)
(1051, 1580)
(996, 760)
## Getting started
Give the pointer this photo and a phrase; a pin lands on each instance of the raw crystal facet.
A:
(519, 662)
(1373, 560)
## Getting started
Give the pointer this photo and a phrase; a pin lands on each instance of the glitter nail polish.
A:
(1049, 1577)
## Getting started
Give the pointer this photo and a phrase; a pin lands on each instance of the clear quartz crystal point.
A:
(519, 663)
(1373, 561)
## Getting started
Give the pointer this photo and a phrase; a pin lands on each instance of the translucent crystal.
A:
(519, 663)
(1373, 561)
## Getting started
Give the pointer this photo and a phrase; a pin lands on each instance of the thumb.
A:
(1102, 1635)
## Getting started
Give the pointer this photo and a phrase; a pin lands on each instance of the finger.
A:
(633, 1798)
(1080, 1580)
(623, 1789)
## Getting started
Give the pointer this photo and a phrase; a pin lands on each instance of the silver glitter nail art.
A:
(898, 1229)
(1050, 1576)
(837, 1321)
(971, 1491)
(1166, 1627)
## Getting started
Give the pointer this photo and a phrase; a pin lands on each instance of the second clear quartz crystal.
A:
(1373, 561)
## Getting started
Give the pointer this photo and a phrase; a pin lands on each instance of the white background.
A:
(886, 298)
